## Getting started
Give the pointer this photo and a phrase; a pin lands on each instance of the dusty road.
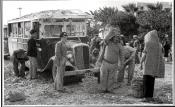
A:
(41, 92)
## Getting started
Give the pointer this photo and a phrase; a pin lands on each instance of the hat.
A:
(166, 35)
(113, 32)
(63, 34)
(101, 29)
(127, 44)
(134, 36)
(32, 31)
(121, 35)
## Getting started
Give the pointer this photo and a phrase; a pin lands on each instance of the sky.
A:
(11, 11)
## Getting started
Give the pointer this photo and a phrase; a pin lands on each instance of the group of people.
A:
(20, 56)
(58, 61)
(113, 59)
(115, 56)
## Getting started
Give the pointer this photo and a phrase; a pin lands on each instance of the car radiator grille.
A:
(82, 57)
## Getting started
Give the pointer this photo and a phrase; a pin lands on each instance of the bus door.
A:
(12, 40)
(20, 35)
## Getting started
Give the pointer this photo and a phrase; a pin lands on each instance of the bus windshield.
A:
(52, 30)
(73, 29)
(76, 29)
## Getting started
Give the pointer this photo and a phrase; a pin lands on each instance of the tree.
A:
(110, 15)
(105, 14)
(156, 18)
(158, 6)
(126, 22)
(130, 8)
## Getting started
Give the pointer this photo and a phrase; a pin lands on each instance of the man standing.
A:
(167, 47)
(32, 53)
(95, 43)
(136, 44)
(59, 62)
(129, 59)
(110, 55)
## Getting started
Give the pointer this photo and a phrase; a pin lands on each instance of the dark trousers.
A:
(19, 72)
(148, 86)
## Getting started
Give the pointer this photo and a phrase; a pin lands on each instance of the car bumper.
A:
(79, 72)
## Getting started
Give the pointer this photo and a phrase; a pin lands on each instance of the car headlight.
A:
(69, 56)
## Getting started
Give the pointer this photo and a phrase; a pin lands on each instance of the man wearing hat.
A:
(59, 62)
(135, 44)
(95, 43)
(129, 60)
(32, 54)
(19, 57)
(110, 55)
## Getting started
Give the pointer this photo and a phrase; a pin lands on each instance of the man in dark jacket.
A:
(32, 53)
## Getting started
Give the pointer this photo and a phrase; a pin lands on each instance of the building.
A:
(143, 5)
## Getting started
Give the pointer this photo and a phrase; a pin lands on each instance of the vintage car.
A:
(49, 25)
(78, 59)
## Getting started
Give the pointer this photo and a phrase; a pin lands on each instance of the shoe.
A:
(148, 100)
(104, 91)
(32, 78)
(145, 100)
(118, 85)
(23, 77)
(62, 91)
(128, 84)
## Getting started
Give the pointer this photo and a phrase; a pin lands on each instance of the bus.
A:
(49, 24)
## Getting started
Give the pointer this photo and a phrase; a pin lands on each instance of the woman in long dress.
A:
(153, 63)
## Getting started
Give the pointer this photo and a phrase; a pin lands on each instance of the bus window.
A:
(10, 29)
(20, 30)
(36, 26)
(14, 30)
(70, 29)
(52, 30)
(5, 32)
(27, 27)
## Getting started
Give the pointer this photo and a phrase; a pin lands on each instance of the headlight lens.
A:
(69, 56)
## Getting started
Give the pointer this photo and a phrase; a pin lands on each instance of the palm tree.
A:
(158, 6)
(105, 14)
(131, 8)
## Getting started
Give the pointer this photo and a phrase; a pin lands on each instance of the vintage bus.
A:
(49, 25)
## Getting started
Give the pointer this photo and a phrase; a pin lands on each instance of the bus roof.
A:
(60, 14)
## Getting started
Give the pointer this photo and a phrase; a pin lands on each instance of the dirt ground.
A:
(41, 92)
